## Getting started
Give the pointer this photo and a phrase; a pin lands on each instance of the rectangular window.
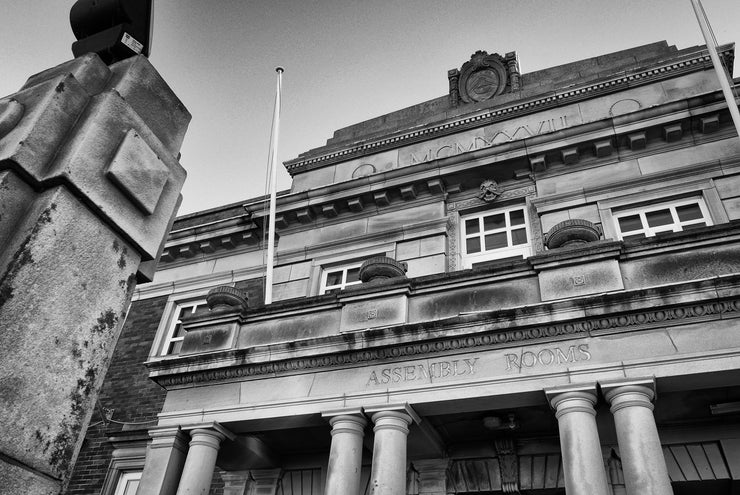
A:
(496, 234)
(175, 333)
(128, 483)
(652, 220)
(337, 278)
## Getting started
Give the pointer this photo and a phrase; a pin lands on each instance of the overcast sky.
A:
(346, 61)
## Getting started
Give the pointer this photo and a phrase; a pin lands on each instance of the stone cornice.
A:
(683, 303)
(691, 63)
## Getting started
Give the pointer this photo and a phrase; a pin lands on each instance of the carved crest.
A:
(489, 190)
(483, 77)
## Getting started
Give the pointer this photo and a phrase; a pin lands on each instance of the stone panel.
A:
(477, 298)
(313, 179)
(289, 329)
(728, 187)
(609, 105)
(428, 265)
(183, 272)
(405, 217)
(690, 85)
(692, 265)
(290, 290)
(436, 244)
(300, 270)
(580, 280)
(549, 220)
(407, 249)
(612, 173)
(689, 156)
(202, 397)
(732, 207)
(248, 259)
(367, 165)
(209, 338)
(371, 313)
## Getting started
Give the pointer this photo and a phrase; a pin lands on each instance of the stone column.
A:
(388, 475)
(345, 456)
(89, 183)
(583, 465)
(198, 471)
(165, 457)
(433, 476)
(643, 463)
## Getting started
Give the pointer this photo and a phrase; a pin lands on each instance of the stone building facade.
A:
(528, 285)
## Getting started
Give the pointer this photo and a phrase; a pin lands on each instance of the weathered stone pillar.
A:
(165, 457)
(433, 476)
(643, 462)
(583, 465)
(197, 473)
(388, 474)
(89, 184)
(345, 455)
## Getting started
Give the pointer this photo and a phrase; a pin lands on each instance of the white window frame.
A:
(523, 250)
(676, 226)
(172, 323)
(124, 479)
(326, 270)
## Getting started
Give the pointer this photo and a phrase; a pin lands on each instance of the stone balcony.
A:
(604, 287)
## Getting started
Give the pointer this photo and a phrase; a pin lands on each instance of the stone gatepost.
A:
(89, 185)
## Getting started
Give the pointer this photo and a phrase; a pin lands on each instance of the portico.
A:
(530, 408)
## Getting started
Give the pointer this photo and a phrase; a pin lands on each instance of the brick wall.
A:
(128, 390)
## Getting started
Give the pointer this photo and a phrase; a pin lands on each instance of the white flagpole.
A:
(721, 74)
(273, 188)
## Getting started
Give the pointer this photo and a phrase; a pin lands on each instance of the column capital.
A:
(168, 437)
(391, 420)
(347, 424)
(403, 408)
(626, 393)
(212, 428)
(581, 396)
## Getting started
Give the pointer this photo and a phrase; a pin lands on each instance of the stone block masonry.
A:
(89, 185)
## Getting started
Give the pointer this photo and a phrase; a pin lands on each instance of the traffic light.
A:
(114, 29)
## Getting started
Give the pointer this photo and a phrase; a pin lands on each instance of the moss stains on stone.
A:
(62, 447)
(22, 256)
(122, 259)
(106, 321)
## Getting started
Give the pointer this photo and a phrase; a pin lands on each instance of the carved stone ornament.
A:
(226, 297)
(482, 77)
(380, 268)
(489, 190)
(574, 232)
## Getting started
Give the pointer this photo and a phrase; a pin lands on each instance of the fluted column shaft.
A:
(388, 475)
(198, 471)
(345, 455)
(583, 465)
(642, 457)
